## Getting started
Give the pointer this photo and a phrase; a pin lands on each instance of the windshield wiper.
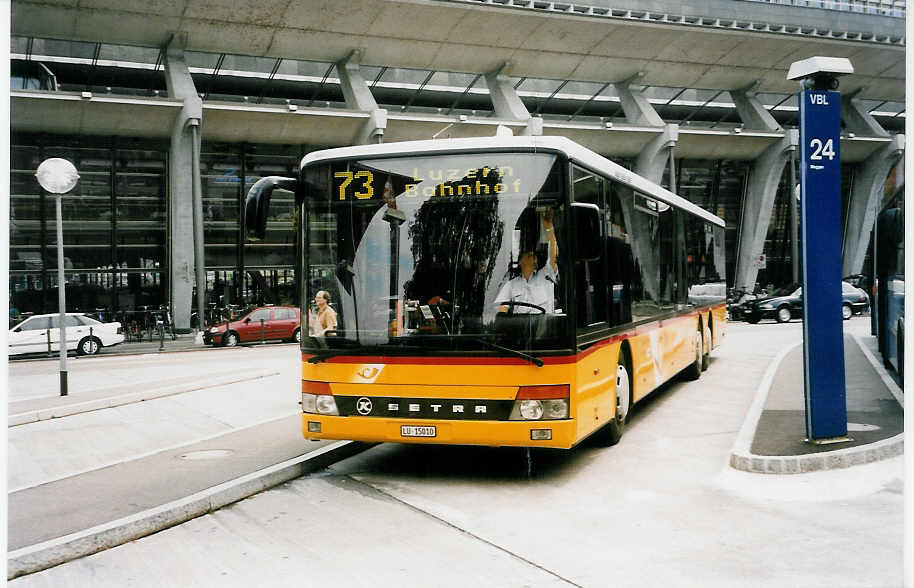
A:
(324, 353)
(534, 360)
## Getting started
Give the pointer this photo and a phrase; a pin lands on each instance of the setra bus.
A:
(888, 307)
(503, 291)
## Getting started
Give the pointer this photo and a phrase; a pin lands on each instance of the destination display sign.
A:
(354, 183)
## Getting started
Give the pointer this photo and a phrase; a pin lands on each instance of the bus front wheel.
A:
(612, 431)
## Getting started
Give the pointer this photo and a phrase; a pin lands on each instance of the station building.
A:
(157, 101)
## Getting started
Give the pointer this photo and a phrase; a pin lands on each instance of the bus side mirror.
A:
(587, 235)
(257, 204)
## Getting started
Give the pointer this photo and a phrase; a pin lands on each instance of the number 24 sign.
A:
(821, 125)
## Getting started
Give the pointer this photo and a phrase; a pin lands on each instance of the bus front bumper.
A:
(554, 433)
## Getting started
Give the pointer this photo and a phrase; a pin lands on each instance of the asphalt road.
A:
(660, 509)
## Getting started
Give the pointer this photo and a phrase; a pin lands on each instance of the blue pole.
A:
(823, 330)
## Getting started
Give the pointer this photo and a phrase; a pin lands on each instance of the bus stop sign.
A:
(823, 331)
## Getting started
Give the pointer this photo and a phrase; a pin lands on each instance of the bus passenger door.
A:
(592, 300)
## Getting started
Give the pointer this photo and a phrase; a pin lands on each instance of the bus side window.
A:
(590, 287)
(666, 251)
(621, 270)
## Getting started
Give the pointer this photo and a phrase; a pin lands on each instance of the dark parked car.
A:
(787, 303)
(268, 323)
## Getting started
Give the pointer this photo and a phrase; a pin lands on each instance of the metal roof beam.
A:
(700, 108)
(464, 93)
(269, 80)
(588, 101)
(320, 86)
(418, 91)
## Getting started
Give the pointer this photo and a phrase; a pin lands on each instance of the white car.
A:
(86, 335)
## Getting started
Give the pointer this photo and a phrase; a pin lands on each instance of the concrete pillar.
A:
(858, 120)
(864, 200)
(652, 161)
(181, 165)
(358, 97)
(752, 112)
(507, 104)
(763, 187)
(637, 108)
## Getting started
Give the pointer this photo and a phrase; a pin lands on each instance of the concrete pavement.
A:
(146, 442)
(772, 439)
(62, 514)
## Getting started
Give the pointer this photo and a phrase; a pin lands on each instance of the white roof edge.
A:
(577, 153)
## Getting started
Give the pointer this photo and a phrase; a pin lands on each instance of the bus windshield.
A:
(439, 253)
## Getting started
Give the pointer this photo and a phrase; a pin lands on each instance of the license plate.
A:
(414, 431)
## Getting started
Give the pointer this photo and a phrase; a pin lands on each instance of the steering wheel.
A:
(511, 304)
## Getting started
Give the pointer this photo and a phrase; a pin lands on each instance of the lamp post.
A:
(58, 176)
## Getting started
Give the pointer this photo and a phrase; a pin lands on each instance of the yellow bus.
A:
(503, 291)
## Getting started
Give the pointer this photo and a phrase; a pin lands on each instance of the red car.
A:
(267, 322)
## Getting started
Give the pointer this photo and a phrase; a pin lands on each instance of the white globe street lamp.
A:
(59, 176)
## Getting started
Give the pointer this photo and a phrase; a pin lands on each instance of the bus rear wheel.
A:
(693, 372)
(611, 433)
(709, 337)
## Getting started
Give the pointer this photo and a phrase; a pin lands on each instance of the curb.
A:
(42, 556)
(33, 416)
(118, 351)
(742, 458)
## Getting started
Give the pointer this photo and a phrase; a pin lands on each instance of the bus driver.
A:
(533, 286)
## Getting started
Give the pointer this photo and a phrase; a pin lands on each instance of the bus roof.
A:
(576, 153)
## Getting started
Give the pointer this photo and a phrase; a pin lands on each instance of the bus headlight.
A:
(309, 403)
(535, 403)
(531, 410)
(555, 409)
(316, 398)
(327, 405)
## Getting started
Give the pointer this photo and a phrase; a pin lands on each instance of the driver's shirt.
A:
(538, 290)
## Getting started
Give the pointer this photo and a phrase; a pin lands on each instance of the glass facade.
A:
(115, 226)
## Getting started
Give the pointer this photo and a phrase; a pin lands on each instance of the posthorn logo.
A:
(363, 405)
